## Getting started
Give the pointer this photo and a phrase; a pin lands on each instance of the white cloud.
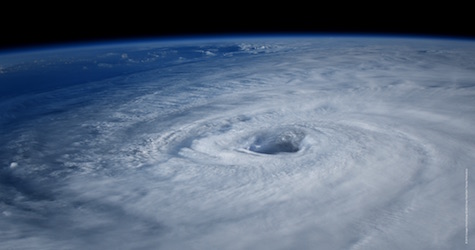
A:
(163, 159)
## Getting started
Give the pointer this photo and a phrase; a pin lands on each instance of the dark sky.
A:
(89, 23)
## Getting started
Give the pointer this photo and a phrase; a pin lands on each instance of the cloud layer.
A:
(329, 143)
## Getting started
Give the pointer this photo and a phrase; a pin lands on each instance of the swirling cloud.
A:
(335, 143)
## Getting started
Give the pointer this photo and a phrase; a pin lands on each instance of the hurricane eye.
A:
(279, 141)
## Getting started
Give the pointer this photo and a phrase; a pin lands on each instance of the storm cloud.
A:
(276, 143)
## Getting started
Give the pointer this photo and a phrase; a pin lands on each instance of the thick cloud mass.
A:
(319, 143)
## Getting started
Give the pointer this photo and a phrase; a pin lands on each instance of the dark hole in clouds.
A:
(279, 141)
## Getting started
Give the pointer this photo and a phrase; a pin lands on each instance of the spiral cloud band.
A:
(285, 143)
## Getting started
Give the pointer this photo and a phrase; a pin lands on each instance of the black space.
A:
(90, 23)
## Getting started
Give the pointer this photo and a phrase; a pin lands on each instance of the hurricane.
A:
(239, 143)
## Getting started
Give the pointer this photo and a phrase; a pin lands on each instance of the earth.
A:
(285, 142)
